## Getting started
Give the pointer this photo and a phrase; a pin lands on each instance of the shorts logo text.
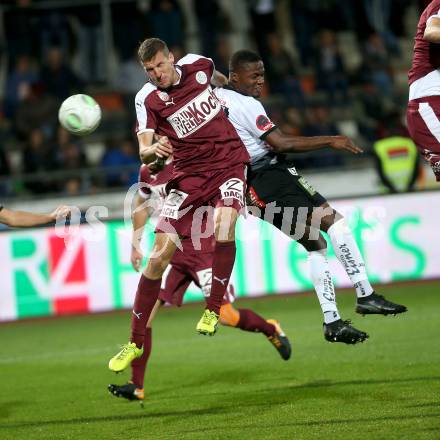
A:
(172, 204)
(233, 189)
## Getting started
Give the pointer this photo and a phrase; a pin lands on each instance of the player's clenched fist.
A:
(136, 259)
(162, 147)
(153, 148)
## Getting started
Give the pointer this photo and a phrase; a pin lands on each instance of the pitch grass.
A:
(233, 386)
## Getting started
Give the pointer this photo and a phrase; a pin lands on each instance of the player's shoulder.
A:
(194, 63)
(231, 97)
(144, 92)
(434, 5)
(432, 9)
(192, 58)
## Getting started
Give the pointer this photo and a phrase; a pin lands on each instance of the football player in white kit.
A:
(274, 183)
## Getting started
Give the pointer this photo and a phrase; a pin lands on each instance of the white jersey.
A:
(249, 119)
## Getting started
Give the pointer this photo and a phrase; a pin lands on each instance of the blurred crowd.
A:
(312, 88)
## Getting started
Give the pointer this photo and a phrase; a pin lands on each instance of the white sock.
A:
(323, 283)
(348, 254)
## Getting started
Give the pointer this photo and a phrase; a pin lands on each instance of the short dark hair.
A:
(241, 57)
(150, 47)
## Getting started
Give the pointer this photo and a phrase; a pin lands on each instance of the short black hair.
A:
(241, 57)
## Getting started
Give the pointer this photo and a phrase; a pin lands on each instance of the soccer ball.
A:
(79, 114)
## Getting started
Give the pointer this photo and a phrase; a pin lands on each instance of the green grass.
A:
(233, 386)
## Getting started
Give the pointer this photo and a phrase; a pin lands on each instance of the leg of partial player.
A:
(347, 252)
(225, 219)
(134, 390)
(248, 320)
(146, 296)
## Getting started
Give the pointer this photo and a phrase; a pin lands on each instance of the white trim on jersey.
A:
(192, 58)
(244, 112)
(430, 119)
(143, 194)
(144, 131)
(428, 85)
(153, 200)
(141, 110)
(437, 15)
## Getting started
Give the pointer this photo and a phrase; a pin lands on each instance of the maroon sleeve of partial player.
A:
(144, 178)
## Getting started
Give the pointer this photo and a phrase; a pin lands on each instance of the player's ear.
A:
(233, 77)
(171, 58)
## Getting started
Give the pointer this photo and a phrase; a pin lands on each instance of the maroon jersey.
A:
(189, 264)
(153, 185)
(424, 75)
(191, 116)
(152, 188)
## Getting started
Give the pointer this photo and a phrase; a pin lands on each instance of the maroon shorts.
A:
(185, 268)
(190, 195)
(423, 119)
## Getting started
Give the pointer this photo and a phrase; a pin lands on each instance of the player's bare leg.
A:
(225, 219)
(174, 284)
(347, 252)
(146, 296)
(248, 320)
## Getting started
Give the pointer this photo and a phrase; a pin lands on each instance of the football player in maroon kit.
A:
(424, 87)
(186, 266)
(209, 159)
(23, 219)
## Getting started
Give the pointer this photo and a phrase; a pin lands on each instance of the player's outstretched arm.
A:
(149, 150)
(22, 219)
(139, 217)
(432, 30)
(283, 143)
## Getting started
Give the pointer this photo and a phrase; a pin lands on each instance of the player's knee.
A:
(330, 221)
(321, 243)
(339, 228)
(323, 217)
(156, 267)
(225, 219)
(313, 243)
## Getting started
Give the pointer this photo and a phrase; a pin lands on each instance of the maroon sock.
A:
(139, 365)
(146, 296)
(222, 264)
(251, 322)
